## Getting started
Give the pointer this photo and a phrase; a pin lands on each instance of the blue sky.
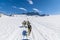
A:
(20, 6)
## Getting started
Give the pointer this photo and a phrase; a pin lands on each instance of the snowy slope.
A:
(43, 28)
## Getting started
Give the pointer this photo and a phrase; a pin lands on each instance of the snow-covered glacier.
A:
(43, 28)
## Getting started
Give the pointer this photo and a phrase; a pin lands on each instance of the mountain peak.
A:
(31, 13)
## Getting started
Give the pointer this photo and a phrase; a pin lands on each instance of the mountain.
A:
(29, 14)
(34, 13)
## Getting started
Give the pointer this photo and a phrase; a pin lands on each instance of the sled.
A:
(25, 39)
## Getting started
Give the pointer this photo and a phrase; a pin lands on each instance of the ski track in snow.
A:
(42, 28)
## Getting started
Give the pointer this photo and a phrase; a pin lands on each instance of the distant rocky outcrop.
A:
(34, 13)
(31, 13)
(28, 14)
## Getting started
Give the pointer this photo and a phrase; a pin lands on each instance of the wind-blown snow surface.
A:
(43, 28)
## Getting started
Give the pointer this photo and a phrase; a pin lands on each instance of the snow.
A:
(43, 28)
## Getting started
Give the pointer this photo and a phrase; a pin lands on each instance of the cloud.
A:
(20, 8)
(35, 9)
(23, 9)
(30, 1)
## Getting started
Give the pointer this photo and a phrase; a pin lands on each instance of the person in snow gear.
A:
(24, 23)
(24, 33)
(27, 23)
(29, 27)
